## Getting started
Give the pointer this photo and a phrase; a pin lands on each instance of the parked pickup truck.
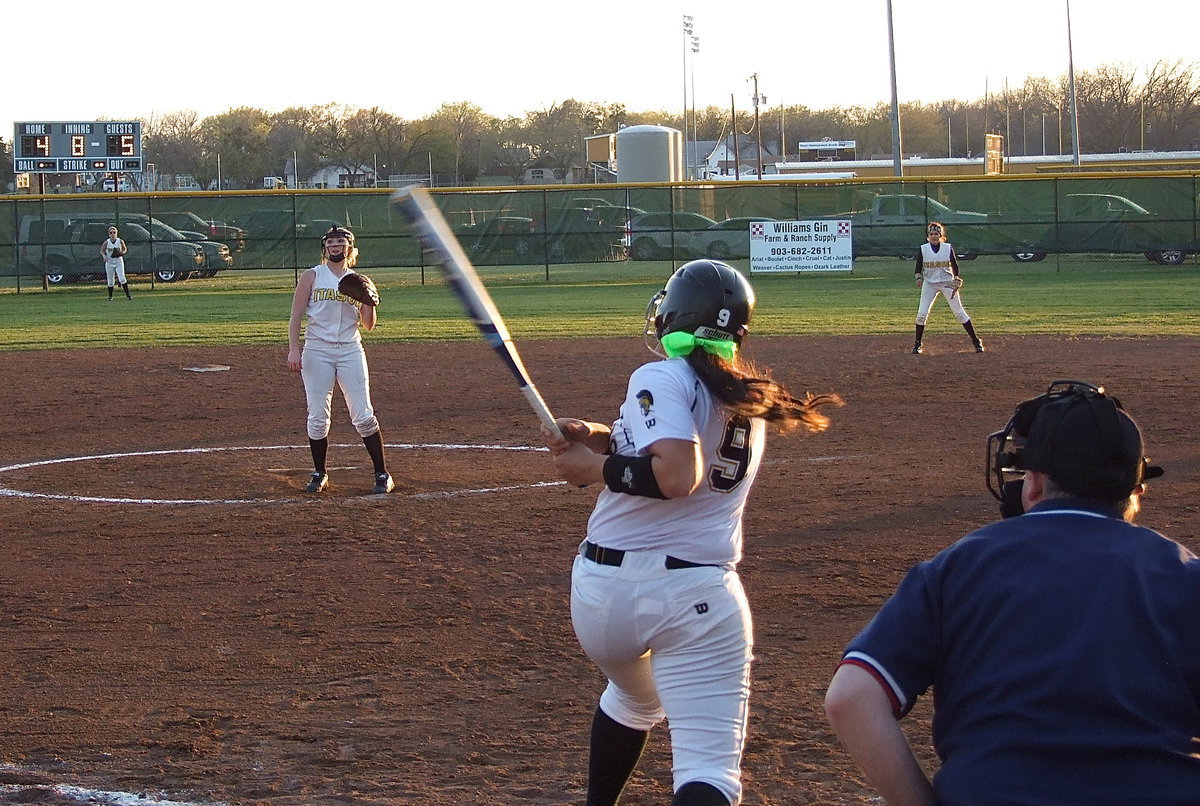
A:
(66, 249)
(894, 225)
(1104, 222)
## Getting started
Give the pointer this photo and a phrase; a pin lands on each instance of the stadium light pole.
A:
(695, 129)
(1074, 104)
(687, 32)
(897, 149)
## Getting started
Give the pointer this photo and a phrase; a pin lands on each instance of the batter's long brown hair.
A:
(742, 388)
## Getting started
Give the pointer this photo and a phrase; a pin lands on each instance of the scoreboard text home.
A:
(77, 147)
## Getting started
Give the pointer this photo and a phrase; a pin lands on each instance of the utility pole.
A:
(737, 157)
(757, 131)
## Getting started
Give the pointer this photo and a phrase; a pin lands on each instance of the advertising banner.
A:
(779, 246)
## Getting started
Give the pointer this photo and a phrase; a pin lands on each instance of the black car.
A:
(185, 221)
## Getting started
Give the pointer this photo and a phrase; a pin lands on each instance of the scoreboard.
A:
(77, 147)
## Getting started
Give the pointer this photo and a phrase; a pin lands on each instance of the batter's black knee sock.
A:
(319, 449)
(699, 794)
(920, 334)
(125, 288)
(374, 445)
(614, 754)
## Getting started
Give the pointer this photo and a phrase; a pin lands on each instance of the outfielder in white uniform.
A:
(656, 601)
(333, 353)
(937, 272)
(112, 252)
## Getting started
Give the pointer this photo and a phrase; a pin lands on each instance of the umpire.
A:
(1062, 642)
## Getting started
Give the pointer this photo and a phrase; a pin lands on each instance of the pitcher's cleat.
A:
(317, 482)
(383, 484)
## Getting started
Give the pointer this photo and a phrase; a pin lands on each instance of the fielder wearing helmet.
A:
(342, 248)
(332, 356)
(665, 537)
(1060, 647)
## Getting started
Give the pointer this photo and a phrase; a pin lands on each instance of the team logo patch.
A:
(645, 401)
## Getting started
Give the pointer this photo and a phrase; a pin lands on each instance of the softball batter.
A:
(937, 271)
(112, 252)
(333, 353)
(656, 601)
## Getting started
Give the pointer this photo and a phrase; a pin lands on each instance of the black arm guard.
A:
(633, 475)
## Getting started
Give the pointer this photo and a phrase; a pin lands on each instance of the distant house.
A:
(330, 176)
(727, 159)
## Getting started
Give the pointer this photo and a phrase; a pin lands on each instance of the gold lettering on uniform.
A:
(320, 294)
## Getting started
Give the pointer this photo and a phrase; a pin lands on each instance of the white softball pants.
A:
(929, 292)
(676, 644)
(114, 269)
(321, 366)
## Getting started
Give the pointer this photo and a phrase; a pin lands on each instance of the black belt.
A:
(605, 556)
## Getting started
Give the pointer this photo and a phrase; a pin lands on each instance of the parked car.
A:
(66, 247)
(1103, 222)
(499, 237)
(726, 239)
(264, 227)
(216, 254)
(656, 235)
(185, 221)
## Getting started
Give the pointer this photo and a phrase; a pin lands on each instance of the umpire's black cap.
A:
(1088, 445)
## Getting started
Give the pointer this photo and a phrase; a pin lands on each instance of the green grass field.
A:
(1077, 295)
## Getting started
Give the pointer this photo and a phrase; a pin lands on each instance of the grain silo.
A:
(649, 154)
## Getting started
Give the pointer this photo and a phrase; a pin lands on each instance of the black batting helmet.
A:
(704, 298)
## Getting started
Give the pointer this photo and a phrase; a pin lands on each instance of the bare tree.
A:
(174, 143)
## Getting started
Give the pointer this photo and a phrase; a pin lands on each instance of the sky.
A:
(149, 58)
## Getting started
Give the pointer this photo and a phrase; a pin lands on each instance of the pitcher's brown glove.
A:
(956, 282)
(360, 288)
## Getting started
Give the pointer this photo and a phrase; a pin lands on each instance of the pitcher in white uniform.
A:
(937, 272)
(656, 601)
(112, 252)
(333, 353)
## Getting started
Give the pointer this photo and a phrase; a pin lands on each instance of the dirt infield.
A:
(254, 645)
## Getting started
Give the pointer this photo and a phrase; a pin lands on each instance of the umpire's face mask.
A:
(1010, 499)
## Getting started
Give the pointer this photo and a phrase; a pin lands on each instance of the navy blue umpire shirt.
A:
(1063, 648)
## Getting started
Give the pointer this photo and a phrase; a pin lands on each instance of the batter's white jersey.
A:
(666, 400)
(332, 316)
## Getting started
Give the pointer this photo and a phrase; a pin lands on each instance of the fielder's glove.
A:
(956, 282)
(360, 288)
(920, 281)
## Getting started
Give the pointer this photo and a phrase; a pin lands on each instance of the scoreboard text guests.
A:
(77, 147)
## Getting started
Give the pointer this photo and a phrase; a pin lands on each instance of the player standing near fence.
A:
(937, 271)
(112, 251)
(656, 600)
(333, 354)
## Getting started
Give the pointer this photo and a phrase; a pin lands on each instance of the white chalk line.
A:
(96, 796)
(13, 493)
